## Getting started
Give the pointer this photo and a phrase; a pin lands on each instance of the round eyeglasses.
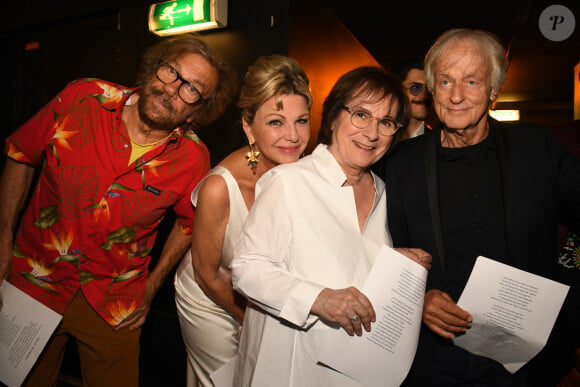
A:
(361, 119)
(187, 92)
(416, 88)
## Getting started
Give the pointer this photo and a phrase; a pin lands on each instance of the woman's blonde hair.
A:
(272, 76)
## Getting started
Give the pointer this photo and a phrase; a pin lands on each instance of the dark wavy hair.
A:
(175, 46)
(374, 83)
(405, 66)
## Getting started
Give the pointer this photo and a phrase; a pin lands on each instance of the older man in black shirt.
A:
(475, 187)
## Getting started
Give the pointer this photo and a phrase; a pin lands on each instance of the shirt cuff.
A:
(300, 301)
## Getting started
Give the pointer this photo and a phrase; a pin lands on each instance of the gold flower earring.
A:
(252, 157)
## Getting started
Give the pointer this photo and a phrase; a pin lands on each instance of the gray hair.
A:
(487, 45)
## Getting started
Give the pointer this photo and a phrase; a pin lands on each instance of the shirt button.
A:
(126, 146)
(474, 196)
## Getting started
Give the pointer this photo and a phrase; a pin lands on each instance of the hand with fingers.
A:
(137, 318)
(420, 256)
(347, 307)
(443, 316)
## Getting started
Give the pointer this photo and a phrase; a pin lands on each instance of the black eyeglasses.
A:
(187, 92)
(416, 88)
(361, 119)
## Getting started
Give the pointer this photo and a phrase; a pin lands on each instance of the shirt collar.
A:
(331, 171)
(328, 167)
(472, 152)
(419, 131)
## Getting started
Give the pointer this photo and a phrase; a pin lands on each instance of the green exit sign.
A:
(176, 17)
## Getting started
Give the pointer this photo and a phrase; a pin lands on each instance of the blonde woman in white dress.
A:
(275, 101)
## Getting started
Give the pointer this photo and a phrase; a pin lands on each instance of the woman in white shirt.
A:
(312, 236)
(275, 101)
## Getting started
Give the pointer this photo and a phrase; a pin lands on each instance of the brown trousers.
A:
(107, 357)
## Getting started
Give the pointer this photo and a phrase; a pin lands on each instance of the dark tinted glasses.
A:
(416, 88)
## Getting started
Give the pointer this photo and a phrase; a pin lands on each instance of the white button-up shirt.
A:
(302, 235)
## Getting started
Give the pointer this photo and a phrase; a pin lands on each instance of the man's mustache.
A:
(426, 102)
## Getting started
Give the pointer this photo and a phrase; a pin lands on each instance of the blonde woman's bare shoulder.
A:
(213, 191)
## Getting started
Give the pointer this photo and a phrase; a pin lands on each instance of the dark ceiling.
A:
(541, 71)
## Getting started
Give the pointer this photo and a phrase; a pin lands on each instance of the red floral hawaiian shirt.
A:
(93, 218)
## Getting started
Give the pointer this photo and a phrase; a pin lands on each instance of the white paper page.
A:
(382, 357)
(513, 312)
(25, 327)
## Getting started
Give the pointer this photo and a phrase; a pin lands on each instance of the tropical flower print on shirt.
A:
(93, 217)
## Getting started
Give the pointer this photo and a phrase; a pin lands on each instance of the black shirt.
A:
(472, 211)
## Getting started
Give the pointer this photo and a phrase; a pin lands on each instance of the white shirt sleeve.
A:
(262, 265)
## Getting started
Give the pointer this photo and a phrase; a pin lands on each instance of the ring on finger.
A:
(355, 318)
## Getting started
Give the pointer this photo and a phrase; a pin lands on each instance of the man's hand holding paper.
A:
(443, 316)
(513, 312)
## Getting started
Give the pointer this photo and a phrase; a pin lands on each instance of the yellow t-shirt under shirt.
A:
(138, 150)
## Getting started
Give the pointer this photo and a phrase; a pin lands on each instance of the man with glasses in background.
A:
(114, 160)
(411, 73)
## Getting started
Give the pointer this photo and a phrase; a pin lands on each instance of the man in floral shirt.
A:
(114, 160)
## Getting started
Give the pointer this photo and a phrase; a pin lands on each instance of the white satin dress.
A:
(209, 332)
